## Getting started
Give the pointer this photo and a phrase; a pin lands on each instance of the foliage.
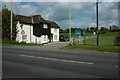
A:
(104, 30)
(6, 24)
(6, 42)
(62, 31)
(92, 29)
(67, 30)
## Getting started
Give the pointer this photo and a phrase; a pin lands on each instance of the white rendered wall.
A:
(55, 32)
(28, 29)
(41, 40)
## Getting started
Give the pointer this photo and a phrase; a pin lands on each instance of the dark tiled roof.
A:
(36, 19)
(53, 24)
(23, 19)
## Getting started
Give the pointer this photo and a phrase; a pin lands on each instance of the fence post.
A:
(84, 41)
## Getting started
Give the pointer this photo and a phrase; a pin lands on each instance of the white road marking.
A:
(23, 55)
(47, 58)
(30, 56)
(56, 59)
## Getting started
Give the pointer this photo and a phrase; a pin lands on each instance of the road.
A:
(51, 62)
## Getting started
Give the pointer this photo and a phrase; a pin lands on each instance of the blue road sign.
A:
(80, 32)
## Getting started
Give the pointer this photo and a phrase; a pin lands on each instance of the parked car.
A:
(64, 38)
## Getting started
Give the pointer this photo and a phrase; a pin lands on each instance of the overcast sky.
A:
(83, 13)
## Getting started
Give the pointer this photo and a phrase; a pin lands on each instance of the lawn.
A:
(94, 47)
(104, 39)
(6, 42)
(106, 42)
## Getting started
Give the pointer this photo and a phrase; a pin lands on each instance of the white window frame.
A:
(45, 37)
(45, 26)
(55, 37)
(55, 30)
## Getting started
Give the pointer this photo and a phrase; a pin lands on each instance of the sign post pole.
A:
(11, 23)
(97, 22)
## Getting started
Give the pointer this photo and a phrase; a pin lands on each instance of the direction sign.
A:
(79, 32)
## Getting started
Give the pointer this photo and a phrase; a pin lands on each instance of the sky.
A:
(83, 14)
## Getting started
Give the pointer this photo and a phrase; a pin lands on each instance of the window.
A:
(55, 30)
(55, 37)
(45, 37)
(24, 37)
(45, 26)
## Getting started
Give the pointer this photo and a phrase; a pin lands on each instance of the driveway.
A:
(54, 46)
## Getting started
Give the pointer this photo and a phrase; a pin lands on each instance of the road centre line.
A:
(63, 60)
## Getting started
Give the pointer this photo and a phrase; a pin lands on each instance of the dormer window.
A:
(45, 26)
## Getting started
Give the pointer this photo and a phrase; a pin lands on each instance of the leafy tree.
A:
(6, 24)
(88, 29)
(92, 29)
(104, 30)
(62, 31)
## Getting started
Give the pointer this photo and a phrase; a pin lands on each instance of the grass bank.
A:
(104, 39)
(94, 47)
(6, 42)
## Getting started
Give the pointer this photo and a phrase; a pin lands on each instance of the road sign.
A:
(22, 32)
(79, 32)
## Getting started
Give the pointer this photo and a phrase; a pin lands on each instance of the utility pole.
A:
(97, 22)
(70, 21)
(11, 23)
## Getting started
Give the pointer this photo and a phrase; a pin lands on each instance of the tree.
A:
(104, 30)
(6, 24)
(62, 31)
(88, 29)
(92, 29)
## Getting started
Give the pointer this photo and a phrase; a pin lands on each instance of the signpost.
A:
(11, 23)
(22, 32)
(80, 33)
(97, 22)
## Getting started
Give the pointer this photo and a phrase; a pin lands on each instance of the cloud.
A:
(27, 10)
(60, 11)
(83, 13)
(108, 13)
(59, 0)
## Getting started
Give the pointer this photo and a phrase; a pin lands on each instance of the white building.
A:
(35, 29)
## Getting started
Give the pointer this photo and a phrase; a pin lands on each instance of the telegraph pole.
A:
(11, 23)
(69, 21)
(97, 22)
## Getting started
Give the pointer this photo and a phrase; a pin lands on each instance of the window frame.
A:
(45, 26)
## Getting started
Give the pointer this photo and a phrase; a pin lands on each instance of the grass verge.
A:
(6, 42)
(94, 47)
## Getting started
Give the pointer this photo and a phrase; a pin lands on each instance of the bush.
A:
(22, 42)
(117, 42)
